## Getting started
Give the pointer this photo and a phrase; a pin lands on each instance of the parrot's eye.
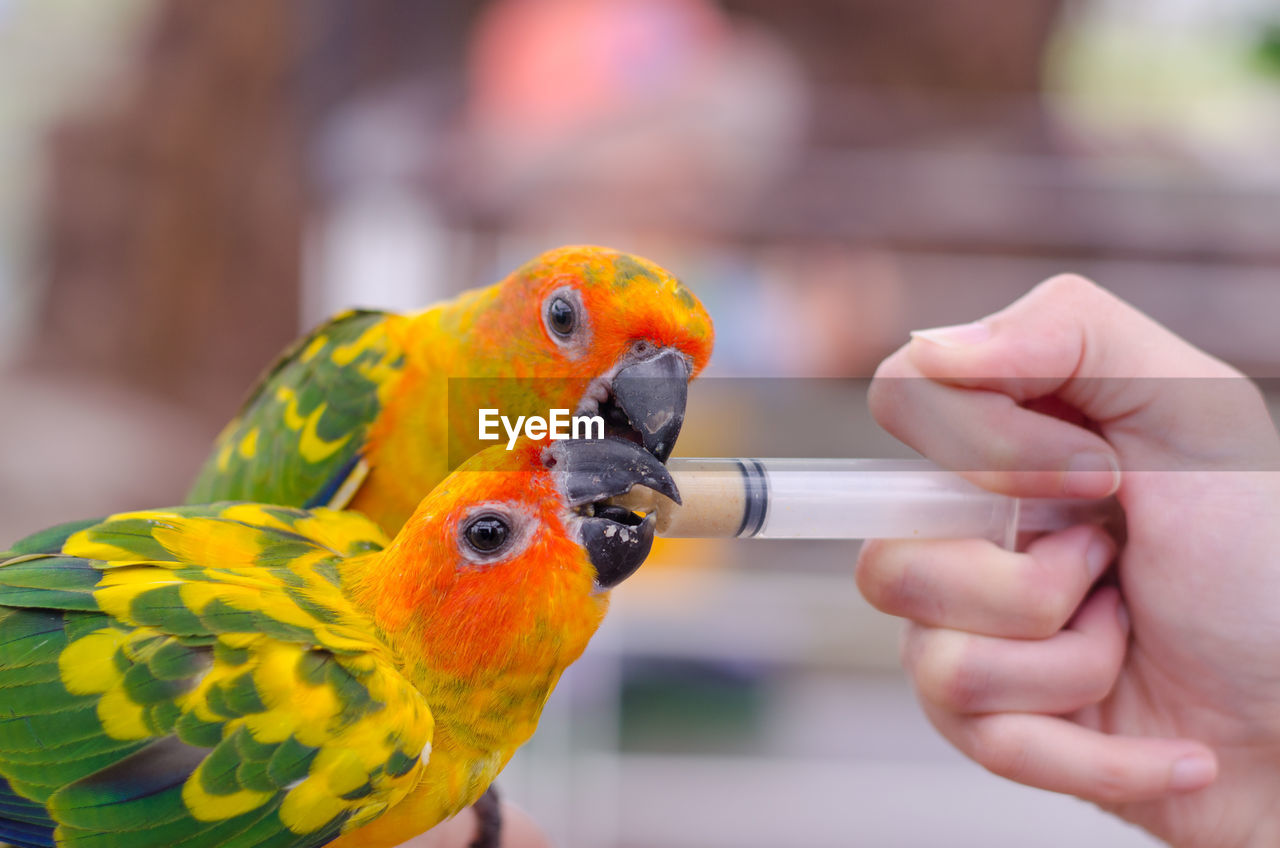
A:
(562, 317)
(487, 533)
(566, 321)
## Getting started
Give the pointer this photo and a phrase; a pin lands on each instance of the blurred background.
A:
(186, 185)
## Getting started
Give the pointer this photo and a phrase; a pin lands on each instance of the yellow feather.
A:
(254, 514)
(271, 727)
(117, 589)
(207, 807)
(366, 814)
(197, 699)
(240, 640)
(342, 768)
(224, 456)
(317, 345)
(345, 640)
(161, 515)
(86, 665)
(81, 545)
(310, 709)
(210, 541)
(344, 355)
(249, 598)
(312, 447)
(249, 444)
(289, 398)
(121, 718)
(340, 531)
(310, 805)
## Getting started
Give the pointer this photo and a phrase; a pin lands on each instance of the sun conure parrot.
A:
(255, 676)
(371, 409)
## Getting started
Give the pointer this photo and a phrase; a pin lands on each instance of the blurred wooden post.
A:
(174, 215)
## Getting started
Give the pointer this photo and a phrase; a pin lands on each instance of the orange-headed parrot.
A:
(372, 409)
(257, 676)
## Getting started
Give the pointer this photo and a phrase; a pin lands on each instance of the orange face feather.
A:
(485, 637)
(623, 300)
(453, 613)
(497, 348)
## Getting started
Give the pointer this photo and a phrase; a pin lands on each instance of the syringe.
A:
(848, 499)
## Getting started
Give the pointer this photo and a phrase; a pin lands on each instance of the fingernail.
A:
(956, 335)
(1091, 475)
(1192, 772)
(1097, 557)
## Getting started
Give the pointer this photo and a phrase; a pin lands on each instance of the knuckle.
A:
(1111, 781)
(885, 397)
(1001, 453)
(1094, 690)
(1004, 449)
(869, 572)
(894, 366)
(947, 674)
(1099, 680)
(1070, 287)
(897, 394)
(997, 753)
(1045, 606)
(968, 687)
(911, 648)
(874, 572)
(903, 588)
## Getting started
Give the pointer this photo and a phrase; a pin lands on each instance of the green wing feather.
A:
(195, 676)
(300, 435)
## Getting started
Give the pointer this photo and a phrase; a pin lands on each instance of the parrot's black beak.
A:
(649, 397)
(589, 472)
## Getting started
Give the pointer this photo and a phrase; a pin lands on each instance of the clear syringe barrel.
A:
(855, 499)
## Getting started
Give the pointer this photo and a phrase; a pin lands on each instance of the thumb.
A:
(1161, 402)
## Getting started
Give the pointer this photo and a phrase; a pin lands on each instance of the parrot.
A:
(248, 675)
(372, 409)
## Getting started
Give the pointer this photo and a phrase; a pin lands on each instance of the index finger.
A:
(1152, 394)
(988, 438)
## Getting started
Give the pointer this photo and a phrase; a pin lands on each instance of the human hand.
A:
(1156, 694)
